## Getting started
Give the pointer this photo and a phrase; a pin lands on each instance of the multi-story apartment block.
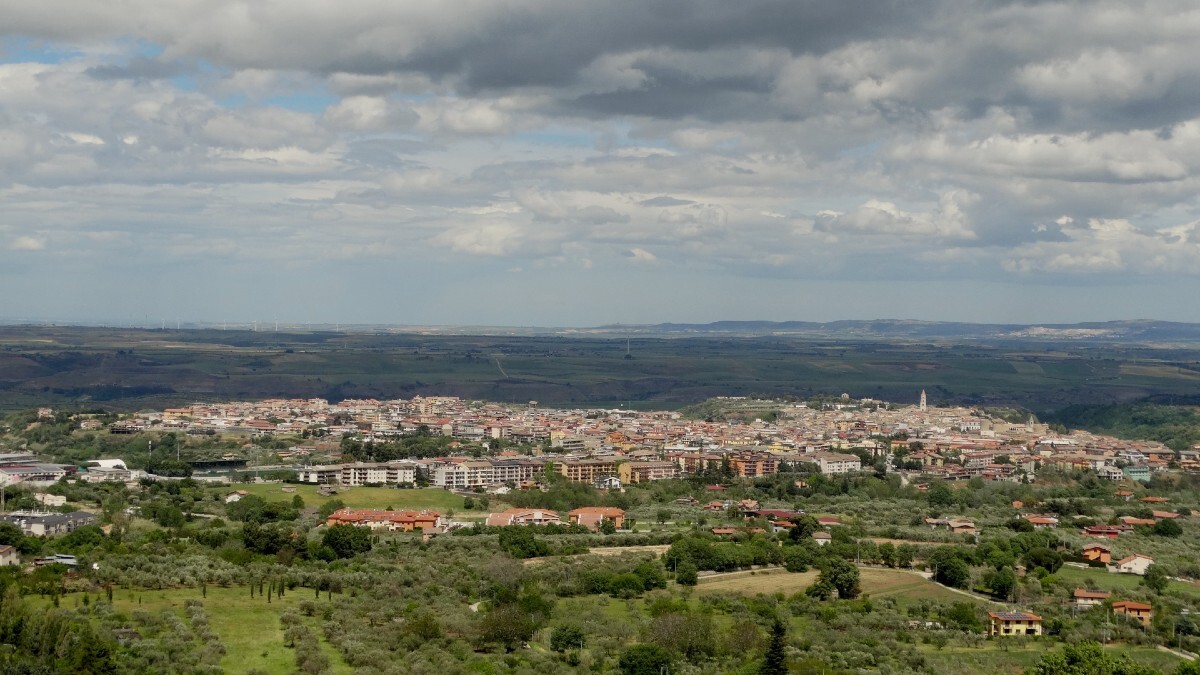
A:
(586, 470)
(640, 472)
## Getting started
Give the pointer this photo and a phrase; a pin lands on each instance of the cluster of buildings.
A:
(433, 522)
(637, 446)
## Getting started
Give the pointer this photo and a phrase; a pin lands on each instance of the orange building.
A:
(1138, 610)
(393, 521)
(1097, 553)
(592, 516)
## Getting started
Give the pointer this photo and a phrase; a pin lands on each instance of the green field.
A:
(996, 656)
(248, 627)
(1098, 578)
(876, 583)
(365, 497)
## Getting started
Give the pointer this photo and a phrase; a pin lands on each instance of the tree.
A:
(887, 554)
(329, 507)
(1044, 558)
(519, 542)
(953, 572)
(507, 625)
(940, 494)
(297, 502)
(644, 659)
(1155, 578)
(775, 659)
(1167, 528)
(1002, 582)
(842, 576)
(347, 541)
(1088, 658)
(566, 636)
(685, 573)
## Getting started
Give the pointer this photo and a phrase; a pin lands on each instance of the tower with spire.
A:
(923, 400)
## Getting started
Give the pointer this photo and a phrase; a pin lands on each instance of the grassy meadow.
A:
(436, 499)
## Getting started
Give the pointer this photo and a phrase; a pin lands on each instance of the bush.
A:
(566, 636)
(644, 660)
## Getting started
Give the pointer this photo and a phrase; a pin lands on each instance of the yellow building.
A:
(1014, 623)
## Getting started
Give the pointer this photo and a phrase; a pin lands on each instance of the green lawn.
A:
(1099, 578)
(366, 497)
(996, 656)
(876, 583)
(248, 627)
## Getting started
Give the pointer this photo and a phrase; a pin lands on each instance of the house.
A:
(392, 521)
(1107, 531)
(523, 517)
(1042, 522)
(235, 496)
(42, 524)
(9, 556)
(1139, 473)
(723, 531)
(1134, 564)
(822, 538)
(1133, 521)
(1014, 623)
(592, 516)
(1085, 599)
(1097, 553)
(827, 521)
(1125, 494)
(608, 483)
(1138, 610)
(50, 500)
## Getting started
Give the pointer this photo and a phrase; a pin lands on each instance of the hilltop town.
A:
(496, 443)
(936, 524)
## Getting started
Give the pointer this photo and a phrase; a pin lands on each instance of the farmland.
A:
(133, 368)
(362, 497)
(876, 584)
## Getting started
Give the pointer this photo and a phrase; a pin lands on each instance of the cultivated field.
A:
(248, 627)
(365, 497)
(998, 656)
(876, 583)
(1103, 580)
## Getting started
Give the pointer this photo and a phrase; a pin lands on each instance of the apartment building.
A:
(833, 464)
(640, 472)
(586, 470)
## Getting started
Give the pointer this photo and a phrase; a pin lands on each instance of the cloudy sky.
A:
(557, 163)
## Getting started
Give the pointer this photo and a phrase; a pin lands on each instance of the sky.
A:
(550, 163)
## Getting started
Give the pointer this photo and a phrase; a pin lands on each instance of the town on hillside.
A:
(942, 525)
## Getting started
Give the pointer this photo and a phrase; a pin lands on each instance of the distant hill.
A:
(1135, 332)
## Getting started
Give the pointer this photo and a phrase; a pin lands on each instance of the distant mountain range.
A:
(1140, 332)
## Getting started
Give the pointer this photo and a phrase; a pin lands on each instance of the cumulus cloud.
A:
(996, 141)
(876, 217)
(1112, 246)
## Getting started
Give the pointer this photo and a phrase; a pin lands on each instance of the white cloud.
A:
(27, 243)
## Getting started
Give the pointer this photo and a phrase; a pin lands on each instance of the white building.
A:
(833, 464)
(1134, 564)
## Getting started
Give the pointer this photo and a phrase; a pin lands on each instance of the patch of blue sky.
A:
(22, 49)
(559, 138)
(865, 151)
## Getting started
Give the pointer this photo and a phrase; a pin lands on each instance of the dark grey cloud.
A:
(141, 68)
